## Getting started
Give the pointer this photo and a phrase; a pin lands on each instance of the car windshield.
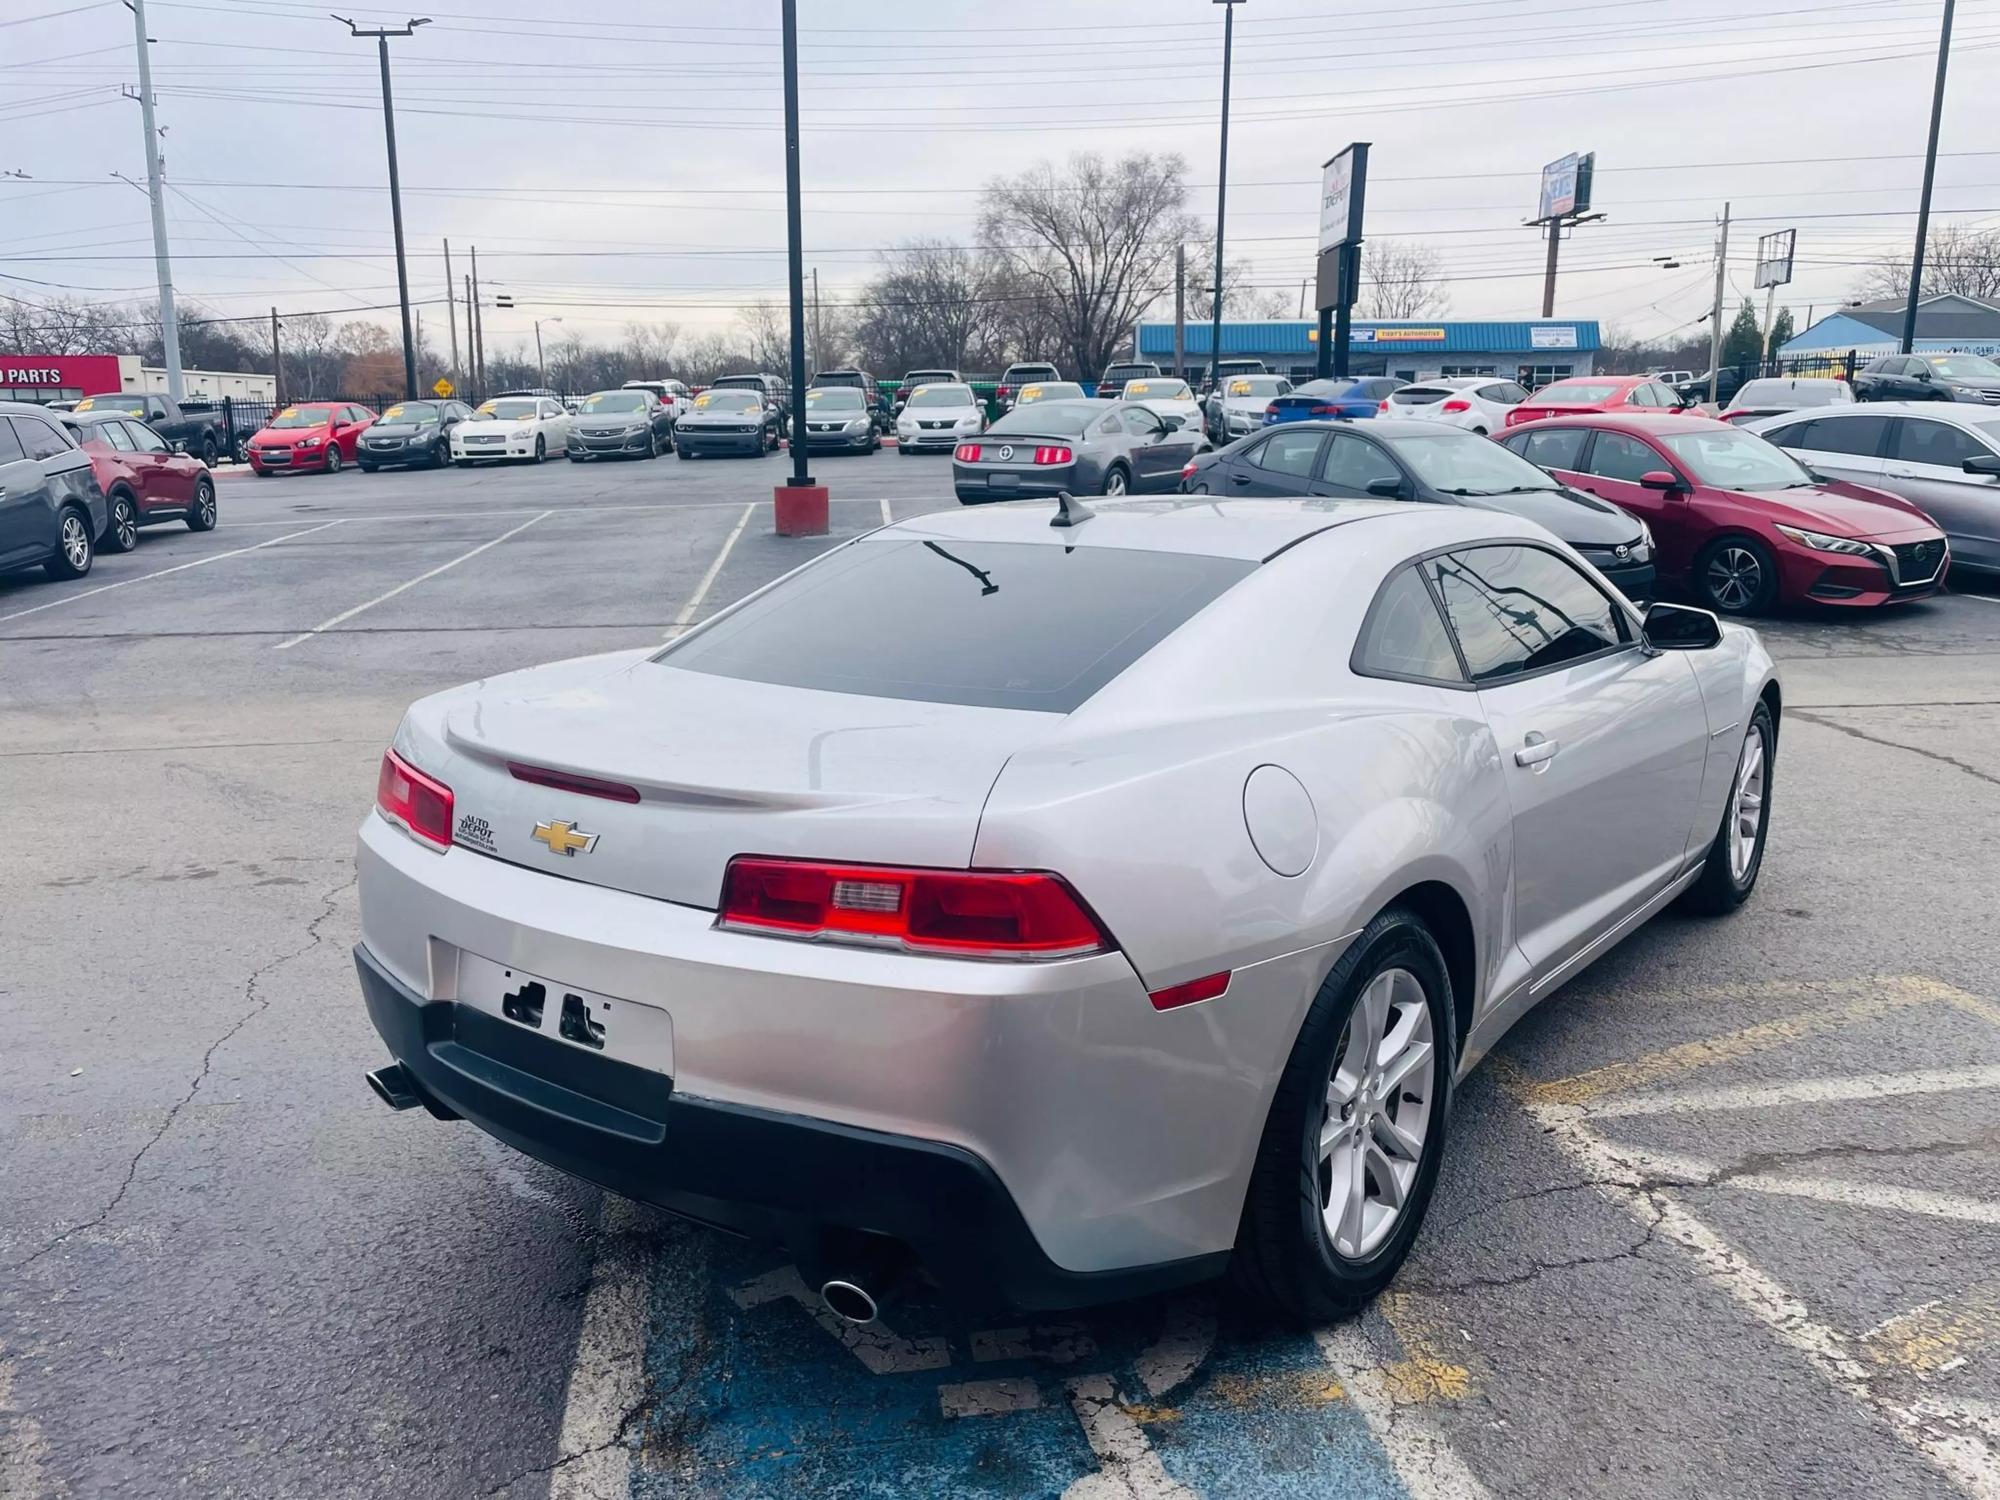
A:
(1732, 459)
(1051, 418)
(519, 409)
(1574, 393)
(1255, 387)
(1963, 367)
(1464, 463)
(303, 416)
(941, 395)
(415, 413)
(728, 401)
(1153, 388)
(610, 401)
(1016, 625)
(1050, 390)
(836, 398)
(136, 405)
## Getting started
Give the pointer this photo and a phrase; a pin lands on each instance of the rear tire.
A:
(1117, 481)
(121, 533)
(201, 514)
(74, 548)
(1736, 854)
(208, 449)
(1349, 1156)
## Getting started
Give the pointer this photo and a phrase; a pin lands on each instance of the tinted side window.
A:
(1561, 449)
(10, 446)
(1351, 462)
(1642, 395)
(145, 439)
(1508, 392)
(1921, 442)
(1288, 453)
(1519, 609)
(38, 439)
(1791, 435)
(1616, 456)
(1858, 435)
(1404, 636)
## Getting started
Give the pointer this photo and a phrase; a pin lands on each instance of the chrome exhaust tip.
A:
(395, 1087)
(848, 1302)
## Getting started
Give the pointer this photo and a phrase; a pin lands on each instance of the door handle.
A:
(1536, 751)
(1239, 478)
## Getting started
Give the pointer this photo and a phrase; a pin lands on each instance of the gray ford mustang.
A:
(1077, 447)
(1064, 903)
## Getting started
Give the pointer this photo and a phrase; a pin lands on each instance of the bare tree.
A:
(933, 304)
(63, 325)
(1957, 258)
(1095, 240)
(764, 332)
(1401, 280)
(1239, 298)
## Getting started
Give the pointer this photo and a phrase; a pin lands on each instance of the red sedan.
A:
(145, 478)
(1737, 519)
(312, 435)
(1592, 393)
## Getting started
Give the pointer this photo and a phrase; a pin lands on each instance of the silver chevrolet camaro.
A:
(1060, 902)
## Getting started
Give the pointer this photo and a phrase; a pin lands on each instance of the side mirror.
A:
(1388, 489)
(1664, 480)
(1924, 374)
(1677, 627)
(179, 445)
(1174, 424)
(1985, 463)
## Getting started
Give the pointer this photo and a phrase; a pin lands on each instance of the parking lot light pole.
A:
(800, 507)
(1930, 172)
(541, 369)
(1221, 190)
(382, 35)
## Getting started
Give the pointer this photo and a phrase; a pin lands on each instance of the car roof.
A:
(1249, 530)
(1385, 427)
(1619, 421)
(1959, 414)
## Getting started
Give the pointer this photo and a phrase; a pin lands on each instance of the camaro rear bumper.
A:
(779, 1177)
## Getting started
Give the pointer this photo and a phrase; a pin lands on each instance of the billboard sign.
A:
(1552, 338)
(1566, 186)
(1342, 186)
(1774, 258)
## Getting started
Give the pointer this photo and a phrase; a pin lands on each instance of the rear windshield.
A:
(1051, 418)
(1574, 393)
(983, 624)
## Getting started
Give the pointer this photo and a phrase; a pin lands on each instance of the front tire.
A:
(208, 450)
(333, 458)
(541, 448)
(1737, 852)
(121, 534)
(201, 514)
(74, 550)
(1736, 575)
(1350, 1152)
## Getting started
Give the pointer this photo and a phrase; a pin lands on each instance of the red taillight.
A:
(1456, 405)
(1187, 469)
(964, 913)
(414, 801)
(568, 781)
(1046, 456)
(1004, 392)
(1271, 410)
(1205, 988)
(1382, 410)
(966, 453)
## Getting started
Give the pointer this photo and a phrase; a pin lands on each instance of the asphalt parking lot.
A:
(1718, 1219)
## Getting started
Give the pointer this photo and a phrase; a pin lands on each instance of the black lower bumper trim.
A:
(783, 1178)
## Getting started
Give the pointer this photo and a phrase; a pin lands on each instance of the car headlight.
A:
(522, 432)
(856, 424)
(1645, 535)
(1820, 542)
(304, 442)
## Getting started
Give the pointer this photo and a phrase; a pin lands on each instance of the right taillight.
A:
(999, 914)
(966, 453)
(418, 804)
(1054, 455)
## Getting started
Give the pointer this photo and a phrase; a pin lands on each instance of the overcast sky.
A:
(632, 165)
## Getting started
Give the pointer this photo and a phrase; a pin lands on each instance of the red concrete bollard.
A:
(800, 509)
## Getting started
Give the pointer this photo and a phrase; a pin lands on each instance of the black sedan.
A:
(1422, 461)
(1082, 447)
(729, 420)
(410, 432)
(619, 424)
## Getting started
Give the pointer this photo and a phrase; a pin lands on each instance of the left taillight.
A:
(418, 804)
(967, 453)
(1456, 405)
(997, 914)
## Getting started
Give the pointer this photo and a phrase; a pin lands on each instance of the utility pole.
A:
(1180, 311)
(1715, 314)
(541, 369)
(1930, 172)
(471, 349)
(1221, 189)
(1770, 313)
(476, 321)
(451, 314)
(1549, 276)
(382, 35)
(170, 323)
(277, 365)
(819, 332)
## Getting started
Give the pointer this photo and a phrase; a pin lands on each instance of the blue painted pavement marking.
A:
(757, 1392)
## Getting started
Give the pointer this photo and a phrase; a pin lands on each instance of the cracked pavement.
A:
(225, 1270)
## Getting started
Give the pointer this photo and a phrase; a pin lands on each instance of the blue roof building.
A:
(1946, 324)
(1532, 352)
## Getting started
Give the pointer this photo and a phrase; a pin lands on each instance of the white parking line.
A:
(688, 611)
(1426, 1465)
(1132, 1470)
(887, 519)
(1874, 1195)
(348, 614)
(123, 583)
(1802, 1091)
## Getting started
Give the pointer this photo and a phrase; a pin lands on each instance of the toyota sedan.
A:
(1060, 901)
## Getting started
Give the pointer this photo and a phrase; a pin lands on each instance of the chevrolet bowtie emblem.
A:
(565, 839)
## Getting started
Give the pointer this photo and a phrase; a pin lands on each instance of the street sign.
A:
(442, 389)
(1774, 258)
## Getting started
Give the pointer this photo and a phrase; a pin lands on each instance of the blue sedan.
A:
(1319, 400)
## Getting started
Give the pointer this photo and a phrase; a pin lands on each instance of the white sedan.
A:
(1478, 403)
(1167, 397)
(937, 417)
(529, 427)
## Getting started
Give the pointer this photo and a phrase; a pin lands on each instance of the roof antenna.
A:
(1070, 511)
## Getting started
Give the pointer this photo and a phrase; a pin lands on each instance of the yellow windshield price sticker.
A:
(1137, 388)
(487, 408)
(392, 413)
(1239, 387)
(1031, 392)
(290, 411)
(919, 390)
(703, 399)
(86, 404)
(813, 398)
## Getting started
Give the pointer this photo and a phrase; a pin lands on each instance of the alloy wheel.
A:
(1114, 482)
(1735, 577)
(332, 459)
(124, 525)
(1746, 811)
(1377, 1116)
(75, 541)
(204, 504)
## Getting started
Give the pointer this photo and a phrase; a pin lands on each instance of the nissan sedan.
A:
(1064, 901)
